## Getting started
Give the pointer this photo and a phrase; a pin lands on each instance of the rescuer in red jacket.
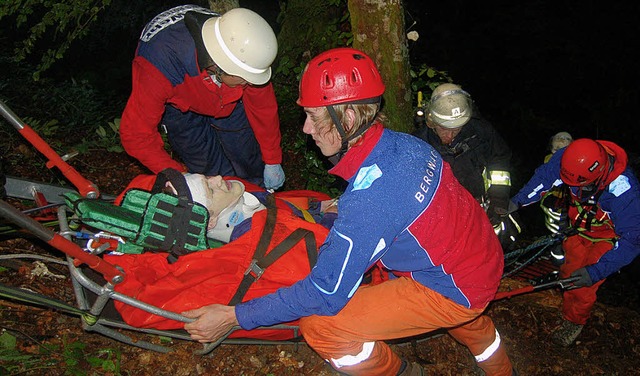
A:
(204, 79)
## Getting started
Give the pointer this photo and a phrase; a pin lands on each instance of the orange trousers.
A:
(579, 252)
(352, 340)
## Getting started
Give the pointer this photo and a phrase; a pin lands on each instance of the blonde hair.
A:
(364, 115)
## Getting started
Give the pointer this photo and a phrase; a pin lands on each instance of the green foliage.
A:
(68, 115)
(326, 25)
(69, 357)
(424, 79)
(53, 26)
(313, 170)
(105, 138)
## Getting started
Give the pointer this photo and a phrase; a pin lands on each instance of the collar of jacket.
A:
(620, 160)
(352, 160)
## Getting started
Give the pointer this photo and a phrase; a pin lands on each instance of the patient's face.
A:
(223, 193)
(214, 193)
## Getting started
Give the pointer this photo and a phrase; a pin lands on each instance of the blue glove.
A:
(585, 278)
(273, 176)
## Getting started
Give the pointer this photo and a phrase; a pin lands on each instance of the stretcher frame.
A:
(94, 319)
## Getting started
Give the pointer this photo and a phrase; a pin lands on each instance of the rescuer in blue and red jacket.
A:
(403, 209)
(204, 79)
(602, 200)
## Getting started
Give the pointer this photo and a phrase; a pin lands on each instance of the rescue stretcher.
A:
(94, 280)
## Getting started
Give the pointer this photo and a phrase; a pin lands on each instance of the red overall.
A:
(581, 250)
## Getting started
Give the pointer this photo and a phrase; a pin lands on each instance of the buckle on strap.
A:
(254, 269)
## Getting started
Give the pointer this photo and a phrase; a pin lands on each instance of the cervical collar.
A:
(233, 215)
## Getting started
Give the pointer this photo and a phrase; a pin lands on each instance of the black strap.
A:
(194, 21)
(176, 178)
(261, 261)
(177, 232)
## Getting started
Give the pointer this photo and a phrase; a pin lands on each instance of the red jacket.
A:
(152, 90)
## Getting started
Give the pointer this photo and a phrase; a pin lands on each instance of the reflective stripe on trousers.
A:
(351, 360)
(486, 354)
(354, 338)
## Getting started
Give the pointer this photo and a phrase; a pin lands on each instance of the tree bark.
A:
(378, 29)
(222, 6)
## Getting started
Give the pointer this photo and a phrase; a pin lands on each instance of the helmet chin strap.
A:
(345, 140)
(233, 215)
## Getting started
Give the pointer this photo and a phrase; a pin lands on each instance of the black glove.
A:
(557, 254)
(585, 278)
(508, 230)
(494, 216)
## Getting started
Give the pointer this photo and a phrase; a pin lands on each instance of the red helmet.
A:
(584, 162)
(340, 75)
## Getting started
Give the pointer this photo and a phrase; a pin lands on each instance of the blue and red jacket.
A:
(166, 72)
(403, 208)
(617, 211)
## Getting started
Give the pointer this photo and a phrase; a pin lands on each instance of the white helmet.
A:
(450, 106)
(242, 44)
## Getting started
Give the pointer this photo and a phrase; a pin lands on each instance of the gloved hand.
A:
(557, 254)
(508, 230)
(273, 176)
(495, 215)
(585, 278)
(499, 209)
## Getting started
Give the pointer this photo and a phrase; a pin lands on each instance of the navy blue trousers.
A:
(213, 146)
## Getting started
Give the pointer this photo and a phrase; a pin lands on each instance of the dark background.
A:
(534, 68)
(538, 67)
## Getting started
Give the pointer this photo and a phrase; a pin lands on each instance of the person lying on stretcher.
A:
(230, 206)
(238, 218)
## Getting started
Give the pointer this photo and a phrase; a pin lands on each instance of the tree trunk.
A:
(379, 30)
(222, 6)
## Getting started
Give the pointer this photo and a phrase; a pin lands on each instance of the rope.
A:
(41, 300)
(30, 256)
(543, 242)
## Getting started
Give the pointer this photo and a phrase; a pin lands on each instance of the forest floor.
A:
(48, 342)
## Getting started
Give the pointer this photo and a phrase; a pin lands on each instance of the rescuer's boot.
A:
(567, 333)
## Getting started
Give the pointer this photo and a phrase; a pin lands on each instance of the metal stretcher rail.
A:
(107, 327)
